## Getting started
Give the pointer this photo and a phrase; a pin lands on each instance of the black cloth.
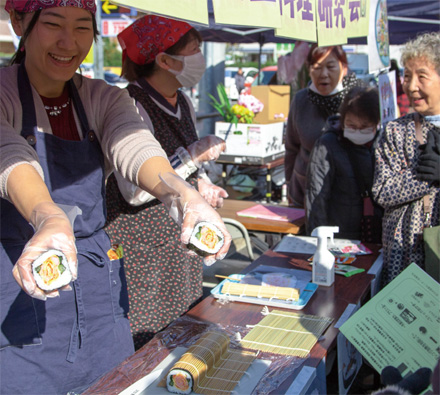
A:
(428, 168)
(335, 191)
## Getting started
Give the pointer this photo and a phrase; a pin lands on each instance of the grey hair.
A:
(423, 46)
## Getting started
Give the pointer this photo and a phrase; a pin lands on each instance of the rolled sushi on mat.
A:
(179, 381)
(51, 270)
(206, 239)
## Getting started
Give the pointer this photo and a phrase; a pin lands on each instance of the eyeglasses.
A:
(369, 130)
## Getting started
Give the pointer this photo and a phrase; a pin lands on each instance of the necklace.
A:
(56, 110)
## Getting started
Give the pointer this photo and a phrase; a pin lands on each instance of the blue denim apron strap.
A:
(79, 330)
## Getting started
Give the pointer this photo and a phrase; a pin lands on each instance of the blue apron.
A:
(67, 342)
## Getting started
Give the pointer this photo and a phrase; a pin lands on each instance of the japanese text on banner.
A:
(331, 22)
(358, 12)
(298, 19)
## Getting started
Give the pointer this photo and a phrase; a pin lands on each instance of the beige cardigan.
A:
(125, 140)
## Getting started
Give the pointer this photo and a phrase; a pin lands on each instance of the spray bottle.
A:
(324, 260)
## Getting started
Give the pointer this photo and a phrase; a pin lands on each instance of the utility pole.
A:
(98, 62)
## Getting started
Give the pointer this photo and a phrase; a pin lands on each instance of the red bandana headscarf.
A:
(35, 5)
(149, 36)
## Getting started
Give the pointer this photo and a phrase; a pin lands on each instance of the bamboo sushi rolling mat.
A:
(260, 291)
(214, 367)
(286, 333)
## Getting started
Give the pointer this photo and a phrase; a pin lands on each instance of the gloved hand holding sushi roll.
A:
(206, 149)
(189, 209)
(48, 254)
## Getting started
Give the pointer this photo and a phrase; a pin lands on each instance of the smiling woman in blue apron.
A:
(62, 134)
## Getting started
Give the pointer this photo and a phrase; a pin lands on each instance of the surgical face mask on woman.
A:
(192, 71)
(360, 136)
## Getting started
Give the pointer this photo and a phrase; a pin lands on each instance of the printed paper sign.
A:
(190, 10)
(298, 20)
(388, 97)
(260, 13)
(112, 27)
(378, 38)
(358, 16)
(331, 22)
(400, 326)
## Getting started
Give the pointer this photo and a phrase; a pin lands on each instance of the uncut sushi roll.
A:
(206, 239)
(179, 381)
(51, 270)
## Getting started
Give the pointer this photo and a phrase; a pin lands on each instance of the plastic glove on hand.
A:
(187, 207)
(53, 230)
(212, 193)
(428, 168)
(206, 149)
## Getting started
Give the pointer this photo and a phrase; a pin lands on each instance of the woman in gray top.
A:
(310, 108)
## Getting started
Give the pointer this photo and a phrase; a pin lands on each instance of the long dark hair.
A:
(20, 54)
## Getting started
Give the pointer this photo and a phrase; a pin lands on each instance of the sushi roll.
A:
(51, 270)
(206, 239)
(179, 381)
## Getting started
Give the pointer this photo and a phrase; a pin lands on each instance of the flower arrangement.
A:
(243, 112)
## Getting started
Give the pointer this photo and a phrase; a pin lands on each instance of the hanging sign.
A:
(331, 22)
(378, 38)
(298, 20)
(190, 10)
(388, 97)
(358, 16)
(259, 13)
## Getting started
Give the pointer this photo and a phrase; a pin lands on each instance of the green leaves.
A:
(223, 105)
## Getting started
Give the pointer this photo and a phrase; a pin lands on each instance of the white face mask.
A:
(360, 136)
(193, 68)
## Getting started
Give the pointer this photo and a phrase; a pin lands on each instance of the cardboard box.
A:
(276, 100)
(251, 140)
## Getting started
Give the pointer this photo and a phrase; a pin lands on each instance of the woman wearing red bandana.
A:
(160, 55)
(61, 135)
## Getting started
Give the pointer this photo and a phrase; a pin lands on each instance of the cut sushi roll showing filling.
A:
(179, 381)
(206, 239)
(209, 366)
(51, 270)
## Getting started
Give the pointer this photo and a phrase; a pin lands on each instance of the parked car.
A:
(262, 78)
(231, 89)
(265, 76)
(114, 79)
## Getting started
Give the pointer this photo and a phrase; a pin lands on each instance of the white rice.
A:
(171, 385)
(198, 245)
(64, 278)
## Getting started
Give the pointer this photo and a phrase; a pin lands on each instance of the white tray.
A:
(305, 295)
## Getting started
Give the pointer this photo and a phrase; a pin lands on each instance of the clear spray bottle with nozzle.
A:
(323, 260)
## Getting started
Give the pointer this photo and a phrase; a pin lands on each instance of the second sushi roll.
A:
(206, 239)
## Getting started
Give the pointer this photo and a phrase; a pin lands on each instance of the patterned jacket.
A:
(398, 191)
